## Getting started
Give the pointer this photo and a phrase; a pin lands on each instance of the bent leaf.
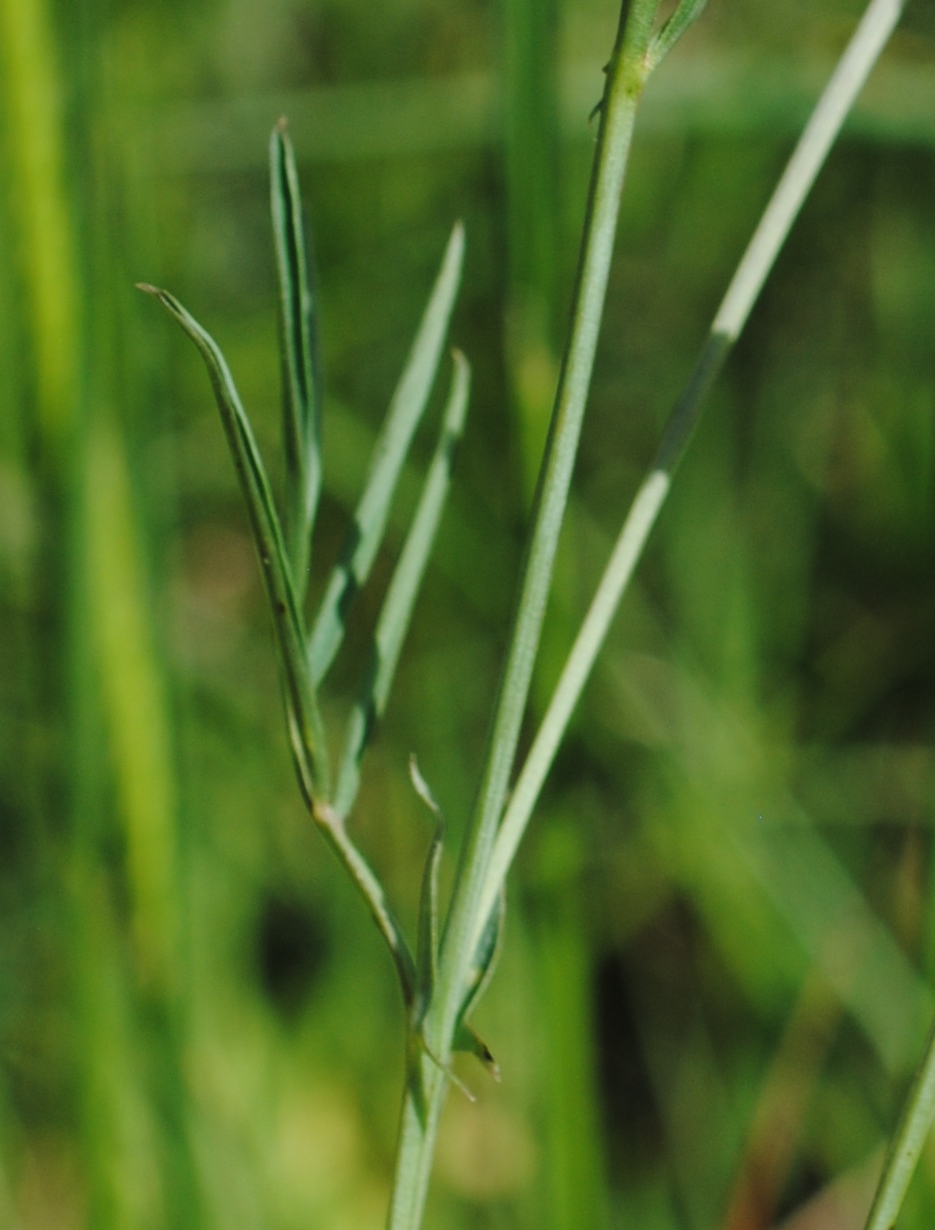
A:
(305, 726)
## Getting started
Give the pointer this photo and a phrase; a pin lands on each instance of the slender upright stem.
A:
(915, 1122)
(838, 97)
(625, 80)
(418, 1130)
(426, 1086)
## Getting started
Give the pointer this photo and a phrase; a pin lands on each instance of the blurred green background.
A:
(721, 935)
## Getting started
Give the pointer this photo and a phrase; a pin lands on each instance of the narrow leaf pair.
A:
(284, 545)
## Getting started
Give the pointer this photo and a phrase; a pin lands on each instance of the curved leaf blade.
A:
(305, 725)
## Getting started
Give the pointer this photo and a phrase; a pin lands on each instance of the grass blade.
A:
(305, 727)
(396, 613)
(906, 1145)
(427, 945)
(301, 385)
(618, 109)
(800, 173)
(402, 418)
(422, 1107)
(687, 12)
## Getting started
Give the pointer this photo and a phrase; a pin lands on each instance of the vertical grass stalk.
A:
(627, 72)
(794, 185)
(32, 91)
(914, 1124)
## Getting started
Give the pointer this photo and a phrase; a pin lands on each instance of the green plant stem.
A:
(626, 75)
(625, 80)
(905, 1148)
(372, 892)
(807, 159)
(418, 1130)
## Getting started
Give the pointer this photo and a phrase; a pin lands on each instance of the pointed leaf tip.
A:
(469, 1042)
(421, 786)
(458, 237)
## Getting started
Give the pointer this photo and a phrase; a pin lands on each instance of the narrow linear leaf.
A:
(419, 1123)
(405, 411)
(672, 30)
(305, 726)
(906, 1144)
(427, 957)
(575, 673)
(396, 612)
(427, 946)
(301, 385)
(486, 955)
(481, 972)
(617, 120)
(854, 66)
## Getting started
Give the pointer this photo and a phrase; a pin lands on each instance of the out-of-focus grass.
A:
(720, 939)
